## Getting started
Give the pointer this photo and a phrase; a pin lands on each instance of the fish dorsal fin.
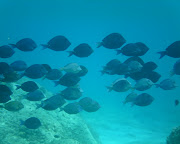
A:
(162, 54)
(98, 44)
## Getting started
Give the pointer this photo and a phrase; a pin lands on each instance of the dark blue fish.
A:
(53, 102)
(176, 68)
(110, 67)
(143, 99)
(4, 98)
(18, 65)
(5, 90)
(149, 66)
(134, 58)
(82, 50)
(53, 74)
(36, 95)
(152, 75)
(89, 104)
(70, 93)
(4, 67)
(31, 123)
(121, 69)
(35, 71)
(25, 45)
(11, 76)
(47, 67)
(172, 50)
(6, 51)
(28, 86)
(13, 106)
(58, 43)
(176, 102)
(72, 108)
(69, 79)
(112, 41)
(167, 84)
(5, 93)
(133, 49)
(82, 72)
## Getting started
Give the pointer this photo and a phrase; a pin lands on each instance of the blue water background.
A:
(154, 22)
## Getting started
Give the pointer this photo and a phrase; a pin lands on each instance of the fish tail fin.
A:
(126, 75)
(38, 106)
(98, 44)
(61, 69)
(172, 73)
(44, 77)
(44, 46)
(132, 104)
(70, 53)
(1, 106)
(124, 102)
(157, 85)
(56, 83)
(1, 77)
(109, 88)
(21, 74)
(102, 72)
(133, 89)
(118, 52)
(18, 87)
(13, 45)
(61, 109)
(21, 122)
(162, 54)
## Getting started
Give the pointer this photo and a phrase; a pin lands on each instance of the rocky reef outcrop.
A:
(174, 137)
(57, 126)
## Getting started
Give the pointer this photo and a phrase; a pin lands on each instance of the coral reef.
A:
(174, 137)
(57, 127)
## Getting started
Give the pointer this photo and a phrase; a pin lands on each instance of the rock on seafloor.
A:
(174, 137)
(57, 127)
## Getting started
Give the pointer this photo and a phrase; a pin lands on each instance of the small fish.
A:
(70, 93)
(176, 68)
(172, 50)
(120, 85)
(82, 72)
(143, 84)
(143, 99)
(167, 84)
(89, 105)
(110, 67)
(28, 86)
(176, 102)
(53, 74)
(134, 49)
(4, 67)
(82, 50)
(25, 45)
(53, 102)
(31, 123)
(36, 95)
(35, 71)
(6, 51)
(69, 79)
(149, 66)
(57, 43)
(72, 108)
(13, 106)
(18, 65)
(71, 68)
(112, 41)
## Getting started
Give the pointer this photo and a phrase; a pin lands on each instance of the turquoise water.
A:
(155, 23)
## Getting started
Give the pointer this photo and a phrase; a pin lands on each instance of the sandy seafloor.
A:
(156, 23)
